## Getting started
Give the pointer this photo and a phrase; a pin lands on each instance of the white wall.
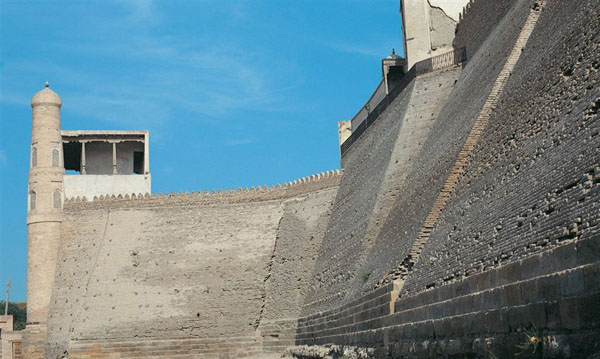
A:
(419, 27)
(452, 8)
(96, 185)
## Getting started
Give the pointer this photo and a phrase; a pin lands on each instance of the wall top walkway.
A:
(449, 59)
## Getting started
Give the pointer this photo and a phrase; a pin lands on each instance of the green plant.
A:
(490, 354)
(19, 313)
(533, 341)
(365, 275)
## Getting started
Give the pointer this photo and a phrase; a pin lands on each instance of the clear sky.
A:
(233, 93)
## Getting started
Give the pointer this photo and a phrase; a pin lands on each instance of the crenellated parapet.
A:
(298, 187)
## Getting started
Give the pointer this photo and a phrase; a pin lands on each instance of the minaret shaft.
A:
(44, 214)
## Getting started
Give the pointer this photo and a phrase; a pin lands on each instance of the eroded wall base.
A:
(553, 296)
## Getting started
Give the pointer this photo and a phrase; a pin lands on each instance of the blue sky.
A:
(233, 93)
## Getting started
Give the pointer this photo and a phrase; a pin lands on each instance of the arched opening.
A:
(57, 199)
(33, 157)
(55, 157)
(32, 200)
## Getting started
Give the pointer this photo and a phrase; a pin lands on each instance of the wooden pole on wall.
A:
(6, 303)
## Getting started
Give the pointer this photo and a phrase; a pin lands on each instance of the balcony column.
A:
(146, 155)
(82, 157)
(114, 158)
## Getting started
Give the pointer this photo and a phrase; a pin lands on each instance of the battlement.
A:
(297, 187)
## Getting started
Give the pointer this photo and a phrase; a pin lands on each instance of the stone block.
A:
(536, 315)
(446, 327)
(430, 332)
(589, 311)
(569, 313)
(464, 305)
(492, 278)
(421, 329)
(438, 327)
(446, 292)
(410, 331)
(509, 273)
(460, 288)
(571, 283)
(496, 321)
(478, 301)
(481, 281)
(588, 251)
(437, 310)
(561, 258)
(549, 286)
(468, 324)
(512, 294)
(529, 291)
(591, 278)
(515, 315)
(456, 324)
(493, 299)
(396, 333)
(531, 267)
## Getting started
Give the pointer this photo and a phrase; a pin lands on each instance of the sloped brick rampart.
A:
(534, 179)
(364, 169)
(515, 247)
(432, 166)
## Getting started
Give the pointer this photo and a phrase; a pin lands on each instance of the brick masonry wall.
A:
(177, 270)
(364, 168)
(432, 165)
(297, 245)
(552, 295)
(430, 94)
(534, 180)
(517, 245)
(364, 165)
(477, 22)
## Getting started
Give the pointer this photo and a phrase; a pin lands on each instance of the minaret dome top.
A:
(46, 97)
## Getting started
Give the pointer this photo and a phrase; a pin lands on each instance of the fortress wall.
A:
(165, 272)
(527, 206)
(297, 246)
(534, 179)
(553, 295)
(477, 21)
(424, 178)
(431, 167)
(366, 161)
(430, 94)
(146, 280)
(364, 164)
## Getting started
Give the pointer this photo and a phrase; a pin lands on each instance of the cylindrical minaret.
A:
(44, 203)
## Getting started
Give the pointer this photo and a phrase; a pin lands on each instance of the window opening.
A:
(33, 157)
(138, 162)
(55, 161)
(57, 199)
(32, 200)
